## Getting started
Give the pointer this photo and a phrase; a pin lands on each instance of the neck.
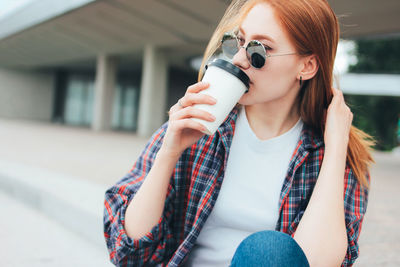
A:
(268, 120)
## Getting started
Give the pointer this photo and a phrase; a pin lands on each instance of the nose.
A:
(240, 59)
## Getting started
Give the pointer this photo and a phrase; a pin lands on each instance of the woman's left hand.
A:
(338, 122)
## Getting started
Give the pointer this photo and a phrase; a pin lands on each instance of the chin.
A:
(241, 102)
(246, 100)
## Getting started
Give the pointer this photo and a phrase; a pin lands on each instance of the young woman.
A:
(293, 191)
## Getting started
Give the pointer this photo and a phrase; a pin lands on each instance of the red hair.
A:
(313, 29)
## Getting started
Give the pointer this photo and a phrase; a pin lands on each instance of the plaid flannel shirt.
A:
(193, 190)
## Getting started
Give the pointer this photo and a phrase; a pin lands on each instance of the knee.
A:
(268, 241)
(269, 248)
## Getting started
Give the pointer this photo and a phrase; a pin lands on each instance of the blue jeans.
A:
(269, 248)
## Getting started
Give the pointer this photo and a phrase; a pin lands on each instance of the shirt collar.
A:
(227, 128)
(310, 139)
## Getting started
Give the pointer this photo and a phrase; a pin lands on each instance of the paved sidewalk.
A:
(380, 236)
(97, 157)
(63, 171)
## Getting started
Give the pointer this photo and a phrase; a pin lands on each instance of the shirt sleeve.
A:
(152, 248)
(355, 205)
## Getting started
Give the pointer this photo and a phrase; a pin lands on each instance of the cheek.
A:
(279, 74)
(273, 81)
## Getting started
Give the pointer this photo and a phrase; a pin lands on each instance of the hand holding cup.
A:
(182, 130)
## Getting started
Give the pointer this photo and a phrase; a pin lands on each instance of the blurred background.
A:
(84, 83)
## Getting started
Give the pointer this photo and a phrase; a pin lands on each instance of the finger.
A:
(197, 87)
(189, 124)
(174, 109)
(338, 98)
(180, 103)
(338, 93)
(178, 106)
(191, 112)
(348, 111)
(194, 98)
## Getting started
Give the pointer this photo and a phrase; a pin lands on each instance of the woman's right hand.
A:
(183, 132)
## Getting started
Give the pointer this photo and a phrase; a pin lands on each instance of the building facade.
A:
(120, 64)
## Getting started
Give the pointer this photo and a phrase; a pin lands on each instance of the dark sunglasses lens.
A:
(229, 45)
(256, 54)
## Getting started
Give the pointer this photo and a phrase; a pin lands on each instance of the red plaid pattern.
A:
(194, 188)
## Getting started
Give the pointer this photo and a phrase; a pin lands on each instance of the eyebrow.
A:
(258, 36)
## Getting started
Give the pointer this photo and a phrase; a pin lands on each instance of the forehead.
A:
(261, 20)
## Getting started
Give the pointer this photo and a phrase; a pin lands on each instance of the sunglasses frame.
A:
(248, 55)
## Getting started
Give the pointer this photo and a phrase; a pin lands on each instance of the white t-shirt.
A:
(249, 196)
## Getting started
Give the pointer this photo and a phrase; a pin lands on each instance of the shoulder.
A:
(309, 152)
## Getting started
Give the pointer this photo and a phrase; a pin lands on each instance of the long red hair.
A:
(313, 28)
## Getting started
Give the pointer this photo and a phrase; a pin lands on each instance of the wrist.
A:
(339, 145)
(166, 155)
(335, 151)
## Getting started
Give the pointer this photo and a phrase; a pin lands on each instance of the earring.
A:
(301, 81)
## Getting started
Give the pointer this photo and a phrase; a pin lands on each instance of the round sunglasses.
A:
(255, 50)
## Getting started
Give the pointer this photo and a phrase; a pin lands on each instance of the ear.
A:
(308, 68)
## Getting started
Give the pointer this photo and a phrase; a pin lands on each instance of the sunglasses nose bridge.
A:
(241, 58)
(244, 47)
(246, 50)
(240, 46)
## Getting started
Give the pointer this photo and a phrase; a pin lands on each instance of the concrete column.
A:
(104, 92)
(153, 91)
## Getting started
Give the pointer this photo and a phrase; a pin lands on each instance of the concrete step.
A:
(75, 203)
(30, 238)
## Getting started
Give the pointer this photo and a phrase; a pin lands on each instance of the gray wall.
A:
(26, 94)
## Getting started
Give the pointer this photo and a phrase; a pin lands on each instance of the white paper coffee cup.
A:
(228, 83)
